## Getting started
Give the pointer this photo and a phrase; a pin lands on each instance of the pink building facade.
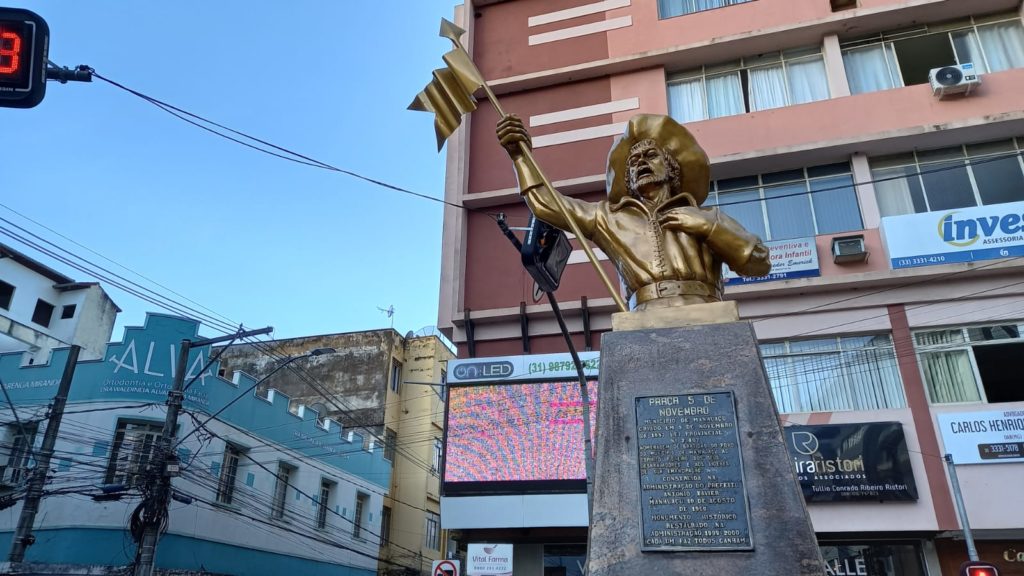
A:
(894, 217)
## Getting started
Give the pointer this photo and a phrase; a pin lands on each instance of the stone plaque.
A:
(692, 495)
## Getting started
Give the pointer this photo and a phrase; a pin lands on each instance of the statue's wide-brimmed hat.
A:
(675, 140)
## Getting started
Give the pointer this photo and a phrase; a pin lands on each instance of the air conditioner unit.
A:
(956, 79)
(849, 249)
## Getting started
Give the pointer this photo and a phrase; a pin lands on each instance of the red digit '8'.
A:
(14, 52)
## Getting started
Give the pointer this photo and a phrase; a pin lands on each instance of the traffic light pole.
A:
(158, 478)
(972, 552)
(37, 480)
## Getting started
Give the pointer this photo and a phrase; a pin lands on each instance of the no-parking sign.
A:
(445, 568)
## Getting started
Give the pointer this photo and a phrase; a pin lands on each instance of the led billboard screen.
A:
(511, 437)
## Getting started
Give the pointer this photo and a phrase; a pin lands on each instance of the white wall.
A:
(80, 434)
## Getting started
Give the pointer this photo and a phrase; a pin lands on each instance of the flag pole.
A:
(452, 32)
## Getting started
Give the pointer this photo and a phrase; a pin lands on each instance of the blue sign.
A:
(141, 367)
(965, 235)
(794, 258)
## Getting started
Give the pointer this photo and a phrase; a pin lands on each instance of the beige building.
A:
(392, 387)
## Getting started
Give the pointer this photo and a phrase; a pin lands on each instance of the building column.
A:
(917, 401)
(838, 85)
(869, 211)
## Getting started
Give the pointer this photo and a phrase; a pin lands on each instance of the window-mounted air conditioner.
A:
(849, 249)
(956, 79)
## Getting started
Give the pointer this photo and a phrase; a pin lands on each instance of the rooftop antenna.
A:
(390, 311)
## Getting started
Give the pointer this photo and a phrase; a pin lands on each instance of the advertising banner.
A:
(794, 258)
(513, 368)
(964, 235)
(489, 560)
(848, 462)
(993, 437)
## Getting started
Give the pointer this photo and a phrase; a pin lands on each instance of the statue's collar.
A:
(676, 201)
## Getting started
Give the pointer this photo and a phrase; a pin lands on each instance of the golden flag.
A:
(450, 94)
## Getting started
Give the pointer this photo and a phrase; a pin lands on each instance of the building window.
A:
(564, 559)
(134, 445)
(396, 376)
(6, 295)
(285, 474)
(228, 474)
(68, 312)
(793, 203)
(833, 374)
(385, 526)
(886, 558)
(955, 361)
(768, 81)
(435, 464)
(432, 534)
(324, 503)
(43, 313)
(672, 8)
(18, 448)
(390, 442)
(904, 58)
(359, 520)
(949, 178)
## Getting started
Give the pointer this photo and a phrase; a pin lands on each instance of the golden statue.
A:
(667, 248)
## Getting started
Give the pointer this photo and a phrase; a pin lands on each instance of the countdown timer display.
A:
(24, 39)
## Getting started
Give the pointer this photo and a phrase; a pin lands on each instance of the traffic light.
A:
(24, 43)
(545, 253)
(975, 568)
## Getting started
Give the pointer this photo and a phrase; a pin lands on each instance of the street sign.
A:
(445, 568)
(24, 42)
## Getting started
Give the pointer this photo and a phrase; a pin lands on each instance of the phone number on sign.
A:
(922, 260)
(561, 366)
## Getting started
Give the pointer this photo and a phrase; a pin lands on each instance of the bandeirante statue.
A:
(668, 249)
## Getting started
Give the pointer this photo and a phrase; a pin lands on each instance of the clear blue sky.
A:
(254, 238)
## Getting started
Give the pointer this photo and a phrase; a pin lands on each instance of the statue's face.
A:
(648, 171)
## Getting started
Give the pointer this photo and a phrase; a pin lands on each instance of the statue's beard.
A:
(646, 180)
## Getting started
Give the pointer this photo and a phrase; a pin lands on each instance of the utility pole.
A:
(972, 552)
(163, 466)
(23, 537)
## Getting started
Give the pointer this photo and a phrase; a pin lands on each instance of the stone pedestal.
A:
(692, 476)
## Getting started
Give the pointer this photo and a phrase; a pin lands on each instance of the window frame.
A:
(19, 451)
(886, 39)
(438, 455)
(327, 490)
(279, 504)
(135, 470)
(966, 344)
(742, 68)
(36, 313)
(385, 525)
(432, 530)
(395, 376)
(359, 514)
(390, 444)
(228, 479)
(10, 297)
(800, 404)
(893, 162)
(729, 4)
(715, 197)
